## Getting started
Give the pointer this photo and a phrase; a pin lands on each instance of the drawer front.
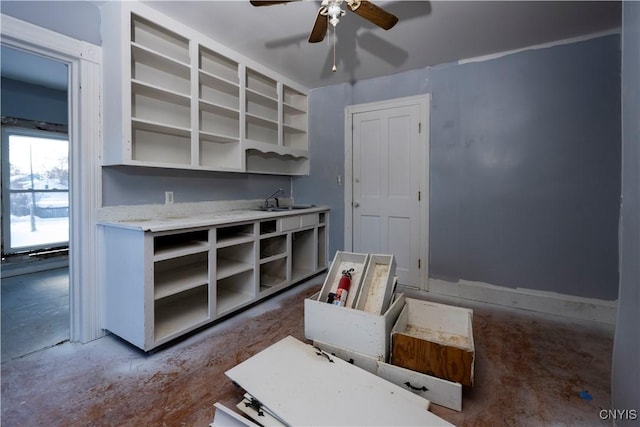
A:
(289, 223)
(441, 392)
(308, 219)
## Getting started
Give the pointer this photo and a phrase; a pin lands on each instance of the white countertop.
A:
(174, 220)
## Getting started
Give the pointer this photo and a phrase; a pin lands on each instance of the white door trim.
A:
(424, 102)
(84, 61)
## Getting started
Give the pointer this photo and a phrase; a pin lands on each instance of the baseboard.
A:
(529, 299)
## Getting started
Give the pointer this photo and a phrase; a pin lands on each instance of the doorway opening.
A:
(35, 203)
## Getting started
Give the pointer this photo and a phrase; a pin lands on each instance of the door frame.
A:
(423, 101)
(84, 61)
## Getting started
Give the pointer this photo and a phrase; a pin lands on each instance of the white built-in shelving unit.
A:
(174, 98)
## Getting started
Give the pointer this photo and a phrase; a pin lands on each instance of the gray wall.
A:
(525, 167)
(524, 171)
(27, 101)
(626, 351)
(77, 19)
(134, 185)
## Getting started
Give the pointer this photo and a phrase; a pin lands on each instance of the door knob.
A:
(355, 204)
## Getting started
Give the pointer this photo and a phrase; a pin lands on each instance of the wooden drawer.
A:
(434, 339)
(436, 390)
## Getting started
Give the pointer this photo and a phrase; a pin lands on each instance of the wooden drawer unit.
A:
(434, 339)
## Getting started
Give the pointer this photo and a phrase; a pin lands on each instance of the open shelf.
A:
(159, 39)
(219, 92)
(232, 260)
(176, 275)
(269, 226)
(215, 64)
(179, 244)
(273, 246)
(273, 274)
(259, 83)
(176, 314)
(234, 234)
(152, 142)
(234, 291)
(161, 106)
(157, 70)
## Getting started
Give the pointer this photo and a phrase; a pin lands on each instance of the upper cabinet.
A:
(174, 98)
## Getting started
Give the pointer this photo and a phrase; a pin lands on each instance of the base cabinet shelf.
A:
(161, 285)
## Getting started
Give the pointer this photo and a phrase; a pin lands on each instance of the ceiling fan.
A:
(331, 10)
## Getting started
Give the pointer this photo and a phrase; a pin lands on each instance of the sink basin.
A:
(284, 208)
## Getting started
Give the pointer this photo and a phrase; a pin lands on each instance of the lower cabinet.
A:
(161, 285)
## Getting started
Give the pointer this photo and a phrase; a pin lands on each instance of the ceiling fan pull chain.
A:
(334, 50)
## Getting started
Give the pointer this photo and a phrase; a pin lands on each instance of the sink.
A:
(284, 208)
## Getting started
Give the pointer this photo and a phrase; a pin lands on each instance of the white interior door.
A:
(388, 176)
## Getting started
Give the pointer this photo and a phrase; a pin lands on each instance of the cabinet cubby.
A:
(273, 246)
(152, 142)
(234, 234)
(180, 312)
(219, 153)
(261, 84)
(175, 275)
(234, 291)
(303, 258)
(156, 38)
(218, 65)
(268, 227)
(232, 260)
(173, 245)
(273, 274)
(161, 71)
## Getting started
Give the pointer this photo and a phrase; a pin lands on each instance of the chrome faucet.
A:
(273, 196)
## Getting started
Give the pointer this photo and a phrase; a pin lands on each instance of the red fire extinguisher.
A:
(343, 288)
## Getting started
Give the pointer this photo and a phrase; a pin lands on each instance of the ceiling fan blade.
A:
(319, 27)
(375, 14)
(269, 3)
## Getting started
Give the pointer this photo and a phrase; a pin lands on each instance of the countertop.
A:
(203, 219)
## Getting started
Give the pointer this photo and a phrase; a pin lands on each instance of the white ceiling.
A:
(428, 33)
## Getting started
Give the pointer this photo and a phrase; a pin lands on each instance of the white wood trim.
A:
(570, 306)
(84, 61)
(424, 101)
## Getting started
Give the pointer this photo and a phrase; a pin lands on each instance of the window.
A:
(35, 190)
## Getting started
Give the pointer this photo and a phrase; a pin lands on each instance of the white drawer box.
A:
(344, 261)
(377, 284)
(358, 330)
(436, 390)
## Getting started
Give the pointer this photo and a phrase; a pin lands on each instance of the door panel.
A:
(386, 181)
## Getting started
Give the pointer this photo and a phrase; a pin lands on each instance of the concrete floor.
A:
(531, 370)
(35, 312)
